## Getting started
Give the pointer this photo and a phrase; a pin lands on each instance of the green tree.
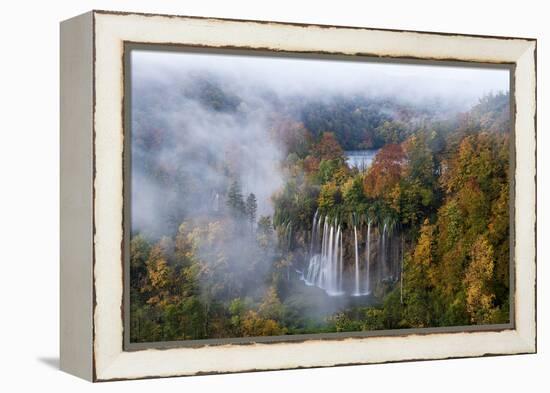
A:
(251, 208)
(139, 254)
(265, 232)
(329, 197)
(415, 195)
(235, 200)
(353, 195)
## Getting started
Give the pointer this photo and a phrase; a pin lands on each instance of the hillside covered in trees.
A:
(249, 220)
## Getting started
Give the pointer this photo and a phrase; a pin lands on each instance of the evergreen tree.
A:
(235, 200)
(265, 232)
(251, 208)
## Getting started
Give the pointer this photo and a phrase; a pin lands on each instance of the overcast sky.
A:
(288, 75)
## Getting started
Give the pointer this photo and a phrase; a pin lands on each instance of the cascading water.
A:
(340, 262)
(357, 286)
(367, 259)
(401, 271)
(325, 267)
(383, 262)
(324, 244)
(314, 234)
(333, 256)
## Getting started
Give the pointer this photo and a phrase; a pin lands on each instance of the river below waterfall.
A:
(314, 302)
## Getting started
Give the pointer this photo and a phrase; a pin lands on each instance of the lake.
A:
(360, 159)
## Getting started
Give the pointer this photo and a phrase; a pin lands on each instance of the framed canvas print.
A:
(246, 195)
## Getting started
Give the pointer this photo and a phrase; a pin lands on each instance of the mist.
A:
(193, 140)
(286, 76)
(202, 122)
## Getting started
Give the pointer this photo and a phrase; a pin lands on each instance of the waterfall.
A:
(334, 264)
(383, 252)
(324, 244)
(340, 263)
(357, 288)
(317, 236)
(326, 265)
(401, 272)
(327, 269)
(312, 247)
(328, 261)
(367, 262)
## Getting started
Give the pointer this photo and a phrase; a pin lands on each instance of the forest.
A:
(276, 232)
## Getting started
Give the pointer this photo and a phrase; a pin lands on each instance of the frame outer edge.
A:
(526, 201)
(76, 196)
(525, 335)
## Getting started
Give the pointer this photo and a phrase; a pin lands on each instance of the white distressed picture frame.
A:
(92, 203)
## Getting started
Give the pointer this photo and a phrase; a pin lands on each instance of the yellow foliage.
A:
(424, 251)
(479, 298)
(159, 276)
(271, 306)
(253, 326)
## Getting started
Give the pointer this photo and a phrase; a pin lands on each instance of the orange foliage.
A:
(328, 148)
(311, 165)
(385, 172)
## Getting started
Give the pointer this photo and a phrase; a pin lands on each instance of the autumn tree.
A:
(294, 136)
(419, 279)
(329, 197)
(415, 194)
(253, 325)
(159, 275)
(139, 254)
(332, 170)
(385, 171)
(498, 235)
(477, 281)
(311, 166)
(328, 148)
(271, 307)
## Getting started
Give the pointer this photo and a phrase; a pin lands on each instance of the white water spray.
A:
(357, 286)
(325, 268)
(367, 260)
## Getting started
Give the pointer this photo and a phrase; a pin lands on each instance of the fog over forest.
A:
(276, 195)
(200, 120)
